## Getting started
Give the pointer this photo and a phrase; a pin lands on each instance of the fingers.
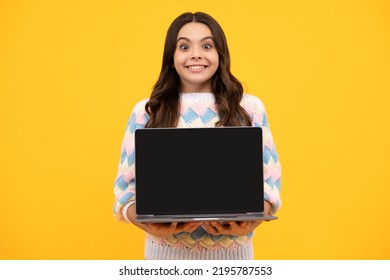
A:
(192, 227)
(217, 228)
(243, 224)
(234, 225)
(232, 228)
(236, 228)
(221, 227)
(188, 227)
(210, 229)
(176, 227)
(173, 226)
(154, 226)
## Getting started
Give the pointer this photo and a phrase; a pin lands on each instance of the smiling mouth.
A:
(197, 67)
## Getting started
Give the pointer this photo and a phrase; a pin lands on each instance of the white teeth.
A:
(196, 67)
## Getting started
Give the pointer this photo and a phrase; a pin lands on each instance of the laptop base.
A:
(204, 218)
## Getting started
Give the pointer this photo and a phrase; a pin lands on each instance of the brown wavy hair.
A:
(163, 105)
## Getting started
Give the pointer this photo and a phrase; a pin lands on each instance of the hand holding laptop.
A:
(236, 228)
(231, 228)
(162, 229)
(165, 229)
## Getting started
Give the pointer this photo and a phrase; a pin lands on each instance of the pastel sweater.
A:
(196, 110)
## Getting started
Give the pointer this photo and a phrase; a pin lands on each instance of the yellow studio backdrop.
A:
(71, 71)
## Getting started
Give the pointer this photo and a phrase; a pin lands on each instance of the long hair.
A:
(163, 105)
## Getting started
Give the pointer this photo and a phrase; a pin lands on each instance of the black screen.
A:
(199, 170)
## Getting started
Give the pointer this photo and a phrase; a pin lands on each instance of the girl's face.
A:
(196, 58)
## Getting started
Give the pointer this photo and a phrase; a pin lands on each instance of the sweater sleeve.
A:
(124, 186)
(272, 168)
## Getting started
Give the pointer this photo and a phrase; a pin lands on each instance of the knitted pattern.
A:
(197, 110)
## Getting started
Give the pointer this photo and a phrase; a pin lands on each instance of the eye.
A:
(183, 47)
(207, 46)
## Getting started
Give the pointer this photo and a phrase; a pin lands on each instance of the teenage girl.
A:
(196, 89)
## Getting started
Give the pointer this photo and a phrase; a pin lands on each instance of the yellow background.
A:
(71, 71)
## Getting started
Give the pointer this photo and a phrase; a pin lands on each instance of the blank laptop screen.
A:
(183, 171)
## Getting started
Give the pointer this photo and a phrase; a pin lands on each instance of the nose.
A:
(196, 54)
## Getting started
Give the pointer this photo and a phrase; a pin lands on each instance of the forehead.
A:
(194, 31)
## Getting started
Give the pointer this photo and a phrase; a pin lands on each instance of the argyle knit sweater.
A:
(196, 110)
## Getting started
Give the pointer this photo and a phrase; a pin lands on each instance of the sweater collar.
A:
(197, 96)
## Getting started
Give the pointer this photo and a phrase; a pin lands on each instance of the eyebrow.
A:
(186, 39)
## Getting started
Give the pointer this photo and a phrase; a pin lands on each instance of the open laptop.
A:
(199, 174)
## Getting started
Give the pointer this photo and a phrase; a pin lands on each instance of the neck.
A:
(202, 88)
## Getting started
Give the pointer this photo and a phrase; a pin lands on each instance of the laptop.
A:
(199, 174)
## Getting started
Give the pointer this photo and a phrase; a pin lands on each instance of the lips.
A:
(196, 67)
